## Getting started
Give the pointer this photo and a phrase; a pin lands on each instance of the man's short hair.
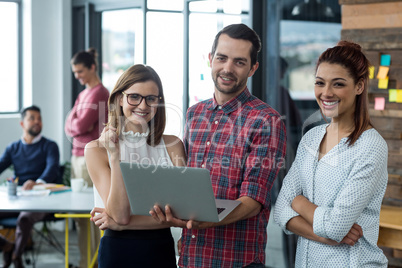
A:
(243, 32)
(29, 108)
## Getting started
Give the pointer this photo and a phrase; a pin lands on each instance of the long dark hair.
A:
(350, 56)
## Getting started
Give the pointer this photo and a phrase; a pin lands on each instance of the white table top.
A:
(62, 202)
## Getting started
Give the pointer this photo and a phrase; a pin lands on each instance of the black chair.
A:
(10, 225)
(45, 233)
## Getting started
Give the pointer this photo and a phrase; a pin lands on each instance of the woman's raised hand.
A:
(109, 139)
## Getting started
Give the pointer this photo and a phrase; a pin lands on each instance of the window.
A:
(10, 102)
(206, 19)
(122, 43)
(302, 42)
(307, 29)
(164, 54)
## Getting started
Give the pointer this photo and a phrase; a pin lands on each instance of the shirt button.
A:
(219, 107)
(193, 236)
(208, 143)
(202, 165)
(216, 122)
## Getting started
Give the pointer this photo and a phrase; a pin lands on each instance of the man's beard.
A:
(234, 89)
(34, 133)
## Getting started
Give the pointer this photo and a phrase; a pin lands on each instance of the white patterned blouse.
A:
(348, 185)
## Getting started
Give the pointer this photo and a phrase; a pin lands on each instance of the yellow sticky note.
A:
(399, 95)
(382, 72)
(392, 93)
(371, 72)
(383, 83)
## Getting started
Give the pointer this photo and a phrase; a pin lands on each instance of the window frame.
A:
(20, 57)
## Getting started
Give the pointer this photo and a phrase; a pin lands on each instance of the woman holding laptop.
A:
(134, 133)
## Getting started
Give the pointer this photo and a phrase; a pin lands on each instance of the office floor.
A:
(48, 257)
(45, 256)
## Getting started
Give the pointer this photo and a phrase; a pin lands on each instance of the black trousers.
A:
(137, 248)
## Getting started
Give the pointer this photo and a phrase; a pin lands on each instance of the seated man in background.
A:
(35, 160)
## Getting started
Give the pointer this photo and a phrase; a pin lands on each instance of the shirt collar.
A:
(35, 140)
(233, 104)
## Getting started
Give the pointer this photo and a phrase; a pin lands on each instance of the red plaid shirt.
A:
(243, 145)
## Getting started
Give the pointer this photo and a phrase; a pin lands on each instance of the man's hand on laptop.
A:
(168, 218)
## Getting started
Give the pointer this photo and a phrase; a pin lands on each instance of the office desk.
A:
(59, 202)
(80, 204)
(390, 227)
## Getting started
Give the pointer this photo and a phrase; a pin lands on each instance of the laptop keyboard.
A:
(220, 210)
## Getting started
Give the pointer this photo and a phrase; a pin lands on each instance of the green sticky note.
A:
(392, 95)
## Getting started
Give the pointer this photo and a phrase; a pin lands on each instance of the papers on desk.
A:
(52, 187)
(40, 189)
(34, 193)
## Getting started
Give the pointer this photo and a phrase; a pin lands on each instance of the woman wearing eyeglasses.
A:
(134, 133)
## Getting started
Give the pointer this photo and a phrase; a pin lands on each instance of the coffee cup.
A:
(78, 184)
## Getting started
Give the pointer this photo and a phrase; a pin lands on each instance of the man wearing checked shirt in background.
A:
(241, 140)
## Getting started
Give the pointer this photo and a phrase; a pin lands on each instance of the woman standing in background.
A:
(84, 124)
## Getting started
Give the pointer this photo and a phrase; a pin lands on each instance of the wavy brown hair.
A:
(350, 56)
(137, 74)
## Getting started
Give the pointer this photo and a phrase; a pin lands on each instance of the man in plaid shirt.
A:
(242, 141)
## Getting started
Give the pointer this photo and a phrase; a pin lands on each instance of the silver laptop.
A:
(188, 192)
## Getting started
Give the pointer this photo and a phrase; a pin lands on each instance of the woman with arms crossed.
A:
(332, 194)
(134, 132)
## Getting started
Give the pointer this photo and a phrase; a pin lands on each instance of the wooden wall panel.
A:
(377, 26)
(354, 2)
(390, 238)
(384, 123)
(388, 105)
(370, 16)
(386, 113)
(393, 191)
(395, 161)
(374, 57)
(375, 39)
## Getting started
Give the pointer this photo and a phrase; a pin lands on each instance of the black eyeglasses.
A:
(136, 99)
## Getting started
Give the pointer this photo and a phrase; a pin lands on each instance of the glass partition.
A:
(165, 55)
(9, 67)
(122, 43)
(203, 26)
(301, 44)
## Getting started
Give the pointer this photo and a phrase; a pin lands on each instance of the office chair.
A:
(9, 226)
(45, 233)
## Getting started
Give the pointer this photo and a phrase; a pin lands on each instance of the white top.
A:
(347, 184)
(135, 149)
